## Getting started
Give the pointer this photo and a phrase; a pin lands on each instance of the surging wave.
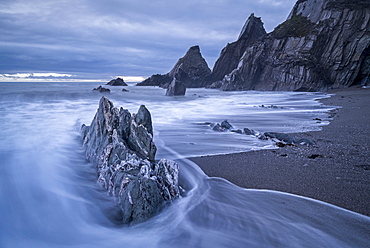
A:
(49, 196)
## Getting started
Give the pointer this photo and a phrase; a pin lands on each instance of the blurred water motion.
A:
(49, 196)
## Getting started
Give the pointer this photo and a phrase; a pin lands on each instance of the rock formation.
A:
(229, 58)
(191, 70)
(157, 80)
(280, 139)
(117, 82)
(101, 89)
(176, 88)
(121, 145)
(323, 44)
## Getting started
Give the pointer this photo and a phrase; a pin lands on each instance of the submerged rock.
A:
(121, 145)
(101, 89)
(117, 82)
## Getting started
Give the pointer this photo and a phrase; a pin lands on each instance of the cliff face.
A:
(229, 58)
(322, 44)
(191, 70)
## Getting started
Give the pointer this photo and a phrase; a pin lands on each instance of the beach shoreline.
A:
(336, 170)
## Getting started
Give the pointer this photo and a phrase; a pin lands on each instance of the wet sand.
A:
(336, 170)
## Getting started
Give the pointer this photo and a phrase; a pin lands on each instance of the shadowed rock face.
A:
(191, 70)
(101, 89)
(121, 145)
(323, 44)
(176, 88)
(252, 31)
(117, 82)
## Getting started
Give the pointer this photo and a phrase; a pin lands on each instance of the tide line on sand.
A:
(336, 170)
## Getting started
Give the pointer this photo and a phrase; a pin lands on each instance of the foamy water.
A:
(49, 196)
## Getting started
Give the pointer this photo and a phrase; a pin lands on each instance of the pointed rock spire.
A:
(192, 63)
(230, 56)
(191, 70)
(253, 26)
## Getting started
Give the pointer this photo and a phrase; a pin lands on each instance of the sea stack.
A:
(117, 82)
(121, 146)
(230, 56)
(191, 70)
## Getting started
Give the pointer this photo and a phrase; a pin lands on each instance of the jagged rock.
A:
(102, 89)
(176, 88)
(323, 44)
(191, 70)
(229, 58)
(117, 82)
(121, 145)
(223, 127)
(225, 124)
(217, 127)
(248, 131)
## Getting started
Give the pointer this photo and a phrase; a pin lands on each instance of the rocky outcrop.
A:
(280, 139)
(323, 44)
(176, 88)
(157, 80)
(252, 31)
(191, 70)
(117, 82)
(121, 145)
(101, 89)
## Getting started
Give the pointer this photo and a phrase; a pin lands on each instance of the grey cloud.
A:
(116, 37)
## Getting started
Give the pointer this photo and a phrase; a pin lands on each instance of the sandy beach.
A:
(336, 170)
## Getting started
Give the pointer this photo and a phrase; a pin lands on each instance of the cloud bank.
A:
(96, 39)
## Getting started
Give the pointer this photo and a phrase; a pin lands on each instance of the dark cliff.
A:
(229, 58)
(191, 70)
(323, 44)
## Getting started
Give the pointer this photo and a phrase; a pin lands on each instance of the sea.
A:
(49, 196)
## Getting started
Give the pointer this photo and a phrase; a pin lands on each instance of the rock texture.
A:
(101, 89)
(121, 145)
(252, 31)
(191, 70)
(323, 44)
(117, 82)
(176, 88)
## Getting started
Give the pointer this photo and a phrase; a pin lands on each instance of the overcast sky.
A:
(101, 39)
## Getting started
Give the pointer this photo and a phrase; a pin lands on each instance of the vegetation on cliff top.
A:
(297, 26)
(352, 4)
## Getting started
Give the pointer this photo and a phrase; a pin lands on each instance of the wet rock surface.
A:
(101, 89)
(121, 146)
(280, 139)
